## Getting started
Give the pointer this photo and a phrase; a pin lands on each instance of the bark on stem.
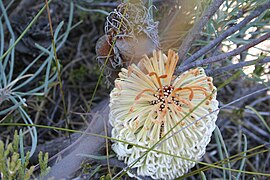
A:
(70, 161)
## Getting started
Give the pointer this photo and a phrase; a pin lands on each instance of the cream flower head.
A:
(147, 101)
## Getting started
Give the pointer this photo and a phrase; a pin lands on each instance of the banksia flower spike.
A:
(148, 101)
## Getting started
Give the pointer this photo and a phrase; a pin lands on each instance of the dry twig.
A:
(227, 33)
(237, 66)
(86, 144)
(197, 28)
(224, 55)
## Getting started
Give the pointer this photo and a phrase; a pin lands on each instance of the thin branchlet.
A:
(224, 55)
(231, 67)
(227, 33)
(195, 32)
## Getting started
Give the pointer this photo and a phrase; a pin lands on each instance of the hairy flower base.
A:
(148, 101)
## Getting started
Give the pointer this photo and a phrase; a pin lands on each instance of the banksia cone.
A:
(146, 105)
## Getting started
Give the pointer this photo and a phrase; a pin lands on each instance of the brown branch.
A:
(237, 66)
(197, 28)
(223, 56)
(86, 144)
(54, 146)
(228, 32)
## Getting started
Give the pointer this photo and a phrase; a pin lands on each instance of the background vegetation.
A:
(48, 87)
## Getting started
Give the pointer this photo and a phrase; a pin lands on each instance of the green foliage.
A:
(16, 86)
(11, 164)
(12, 85)
(43, 163)
(231, 13)
(259, 69)
(78, 74)
(238, 113)
(105, 177)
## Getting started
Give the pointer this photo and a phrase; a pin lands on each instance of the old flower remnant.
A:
(130, 32)
(148, 101)
(135, 31)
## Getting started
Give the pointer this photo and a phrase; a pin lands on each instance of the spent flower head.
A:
(148, 101)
